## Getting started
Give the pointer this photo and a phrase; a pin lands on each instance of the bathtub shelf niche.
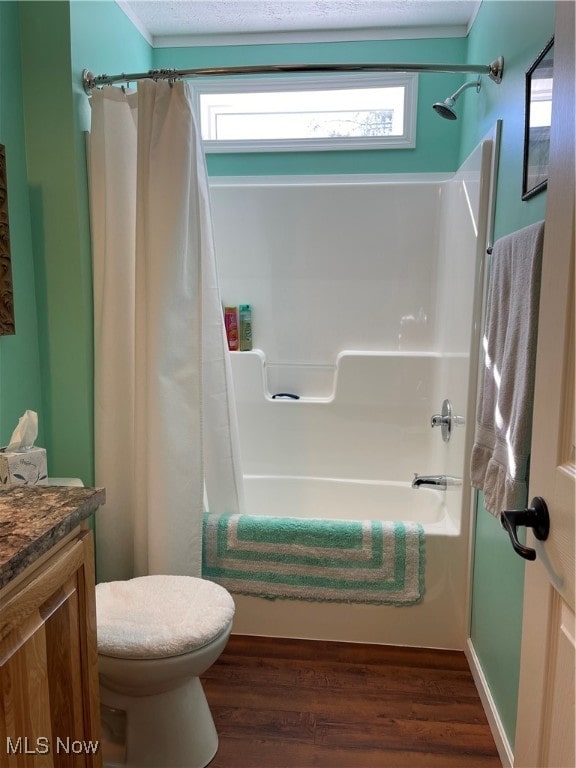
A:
(355, 375)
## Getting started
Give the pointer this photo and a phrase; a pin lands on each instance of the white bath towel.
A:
(499, 462)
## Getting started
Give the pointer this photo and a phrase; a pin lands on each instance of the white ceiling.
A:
(175, 22)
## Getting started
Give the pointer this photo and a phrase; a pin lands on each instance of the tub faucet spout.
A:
(435, 481)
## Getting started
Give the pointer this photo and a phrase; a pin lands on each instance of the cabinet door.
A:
(48, 665)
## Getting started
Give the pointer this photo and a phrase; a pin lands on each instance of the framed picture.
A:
(539, 79)
(6, 293)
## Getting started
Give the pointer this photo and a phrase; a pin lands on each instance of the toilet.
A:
(156, 636)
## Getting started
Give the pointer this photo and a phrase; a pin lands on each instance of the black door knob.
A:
(535, 517)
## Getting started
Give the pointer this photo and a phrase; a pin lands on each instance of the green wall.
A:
(60, 253)
(518, 31)
(437, 141)
(60, 38)
(103, 39)
(19, 354)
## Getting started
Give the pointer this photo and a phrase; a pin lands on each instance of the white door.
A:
(546, 710)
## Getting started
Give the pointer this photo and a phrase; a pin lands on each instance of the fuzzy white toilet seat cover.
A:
(159, 616)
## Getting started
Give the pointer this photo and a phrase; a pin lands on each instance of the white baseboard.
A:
(500, 738)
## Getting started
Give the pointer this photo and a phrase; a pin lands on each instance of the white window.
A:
(296, 113)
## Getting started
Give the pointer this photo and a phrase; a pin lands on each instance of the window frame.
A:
(222, 84)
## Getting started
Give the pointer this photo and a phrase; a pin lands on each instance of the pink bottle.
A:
(231, 325)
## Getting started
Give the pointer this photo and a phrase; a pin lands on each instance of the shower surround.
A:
(366, 295)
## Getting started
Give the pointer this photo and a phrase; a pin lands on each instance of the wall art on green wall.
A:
(6, 294)
(539, 79)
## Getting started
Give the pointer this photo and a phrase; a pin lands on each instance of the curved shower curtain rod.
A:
(494, 70)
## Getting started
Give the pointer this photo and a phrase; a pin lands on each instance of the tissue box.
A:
(23, 468)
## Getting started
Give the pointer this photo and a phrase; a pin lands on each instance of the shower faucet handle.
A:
(446, 420)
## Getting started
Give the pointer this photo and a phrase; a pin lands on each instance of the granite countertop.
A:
(35, 517)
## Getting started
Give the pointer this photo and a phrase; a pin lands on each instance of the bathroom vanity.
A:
(49, 703)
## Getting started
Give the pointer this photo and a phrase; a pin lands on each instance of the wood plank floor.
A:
(281, 703)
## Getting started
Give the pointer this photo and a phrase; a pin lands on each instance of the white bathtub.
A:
(355, 285)
(348, 499)
(438, 621)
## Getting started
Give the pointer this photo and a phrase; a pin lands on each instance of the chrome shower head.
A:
(446, 108)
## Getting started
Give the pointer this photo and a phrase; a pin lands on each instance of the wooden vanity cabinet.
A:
(49, 703)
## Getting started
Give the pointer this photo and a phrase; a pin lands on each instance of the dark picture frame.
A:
(7, 327)
(538, 113)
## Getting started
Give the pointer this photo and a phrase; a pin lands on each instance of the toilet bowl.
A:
(156, 636)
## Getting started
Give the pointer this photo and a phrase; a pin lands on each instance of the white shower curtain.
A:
(165, 423)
